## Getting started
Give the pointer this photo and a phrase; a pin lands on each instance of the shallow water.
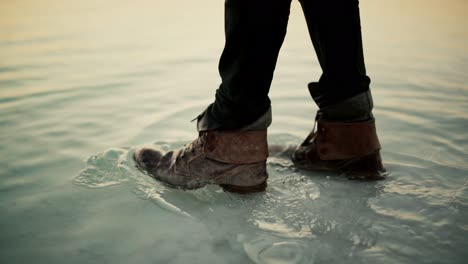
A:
(83, 83)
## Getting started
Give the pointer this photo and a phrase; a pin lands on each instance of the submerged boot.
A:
(235, 160)
(345, 140)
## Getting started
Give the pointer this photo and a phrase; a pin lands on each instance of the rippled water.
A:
(82, 83)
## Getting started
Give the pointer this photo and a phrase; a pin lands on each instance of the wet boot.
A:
(344, 140)
(235, 160)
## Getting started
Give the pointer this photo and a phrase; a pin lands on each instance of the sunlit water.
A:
(82, 83)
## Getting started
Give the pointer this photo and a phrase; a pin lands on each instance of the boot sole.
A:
(365, 168)
(244, 189)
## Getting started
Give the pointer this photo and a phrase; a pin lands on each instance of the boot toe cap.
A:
(147, 158)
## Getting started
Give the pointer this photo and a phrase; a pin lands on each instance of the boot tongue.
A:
(354, 109)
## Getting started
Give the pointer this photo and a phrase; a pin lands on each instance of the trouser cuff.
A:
(354, 109)
(206, 121)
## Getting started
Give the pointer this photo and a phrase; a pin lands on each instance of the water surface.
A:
(83, 83)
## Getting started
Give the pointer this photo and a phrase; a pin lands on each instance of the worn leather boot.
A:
(345, 140)
(235, 160)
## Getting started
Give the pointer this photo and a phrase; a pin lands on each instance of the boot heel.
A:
(244, 189)
(365, 168)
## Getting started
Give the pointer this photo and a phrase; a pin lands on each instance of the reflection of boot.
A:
(235, 160)
(345, 140)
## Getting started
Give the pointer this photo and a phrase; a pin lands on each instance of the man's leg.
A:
(335, 30)
(346, 138)
(231, 149)
(255, 30)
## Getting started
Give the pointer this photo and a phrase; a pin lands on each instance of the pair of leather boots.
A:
(344, 140)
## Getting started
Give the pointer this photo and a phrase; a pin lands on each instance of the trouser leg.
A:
(335, 30)
(345, 138)
(255, 30)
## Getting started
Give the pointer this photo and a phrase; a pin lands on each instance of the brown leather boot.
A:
(235, 160)
(345, 140)
(350, 148)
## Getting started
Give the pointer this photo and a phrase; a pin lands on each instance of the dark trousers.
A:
(255, 30)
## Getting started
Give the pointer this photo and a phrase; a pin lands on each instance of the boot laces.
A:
(200, 140)
(313, 133)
